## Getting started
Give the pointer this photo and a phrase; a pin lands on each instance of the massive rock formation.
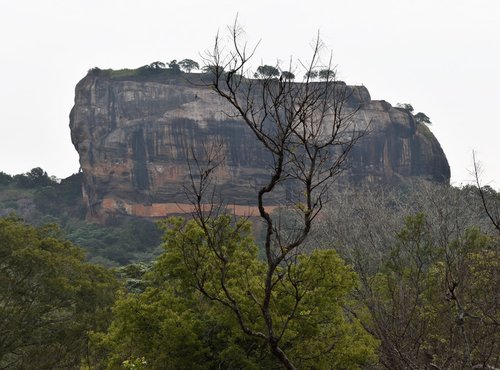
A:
(133, 132)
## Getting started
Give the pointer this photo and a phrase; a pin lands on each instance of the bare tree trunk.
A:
(308, 134)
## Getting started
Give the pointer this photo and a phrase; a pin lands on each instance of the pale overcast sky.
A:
(442, 56)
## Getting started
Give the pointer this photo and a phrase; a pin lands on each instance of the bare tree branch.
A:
(495, 219)
(307, 130)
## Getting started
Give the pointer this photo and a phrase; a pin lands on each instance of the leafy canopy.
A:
(49, 297)
(188, 65)
(267, 71)
(437, 305)
(184, 317)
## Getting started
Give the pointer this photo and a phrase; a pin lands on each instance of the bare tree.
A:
(490, 202)
(430, 283)
(307, 131)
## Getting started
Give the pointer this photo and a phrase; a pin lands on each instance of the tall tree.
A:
(49, 298)
(490, 199)
(433, 306)
(157, 65)
(287, 75)
(406, 106)
(422, 118)
(267, 71)
(174, 66)
(308, 134)
(311, 75)
(326, 74)
(184, 318)
(188, 65)
(5, 178)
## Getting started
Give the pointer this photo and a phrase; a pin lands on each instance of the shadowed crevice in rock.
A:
(140, 175)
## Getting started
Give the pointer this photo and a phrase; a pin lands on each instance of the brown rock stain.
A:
(155, 210)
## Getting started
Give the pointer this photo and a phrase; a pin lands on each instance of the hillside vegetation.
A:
(415, 276)
(40, 199)
(335, 277)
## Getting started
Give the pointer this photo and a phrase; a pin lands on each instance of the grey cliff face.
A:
(396, 148)
(133, 136)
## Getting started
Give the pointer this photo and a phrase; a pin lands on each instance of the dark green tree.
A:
(213, 69)
(490, 199)
(423, 278)
(188, 65)
(157, 65)
(49, 298)
(37, 177)
(311, 75)
(267, 71)
(174, 66)
(326, 74)
(405, 106)
(184, 318)
(307, 137)
(286, 75)
(422, 118)
(432, 306)
(419, 117)
(5, 179)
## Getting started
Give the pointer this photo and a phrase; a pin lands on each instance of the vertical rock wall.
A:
(133, 136)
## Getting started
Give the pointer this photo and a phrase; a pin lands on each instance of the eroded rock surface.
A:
(133, 136)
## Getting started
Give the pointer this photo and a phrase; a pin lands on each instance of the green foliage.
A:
(62, 200)
(425, 130)
(311, 75)
(422, 118)
(40, 200)
(38, 177)
(35, 195)
(160, 327)
(5, 179)
(35, 178)
(128, 241)
(437, 305)
(286, 75)
(406, 106)
(184, 318)
(188, 65)
(174, 66)
(419, 117)
(95, 71)
(49, 297)
(135, 364)
(326, 74)
(211, 69)
(148, 71)
(157, 65)
(133, 276)
(267, 71)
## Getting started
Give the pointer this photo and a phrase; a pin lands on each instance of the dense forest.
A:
(336, 277)
(403, 278)
(40, 199)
